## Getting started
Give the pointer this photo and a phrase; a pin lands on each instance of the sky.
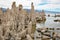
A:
(49, 5)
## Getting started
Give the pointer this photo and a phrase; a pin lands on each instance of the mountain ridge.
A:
(28, 10)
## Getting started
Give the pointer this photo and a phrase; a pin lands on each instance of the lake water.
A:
(50, 24)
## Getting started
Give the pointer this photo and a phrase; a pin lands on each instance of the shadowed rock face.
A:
(0, 21)
(20, 7)
(1, 38)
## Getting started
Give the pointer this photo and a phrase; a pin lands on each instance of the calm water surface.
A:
(49, 23)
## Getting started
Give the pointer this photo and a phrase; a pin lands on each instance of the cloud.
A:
(5, 3)
(49, 7)
(53, 1)
(39, 4)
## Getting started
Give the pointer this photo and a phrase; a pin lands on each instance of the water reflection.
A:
(50, 22)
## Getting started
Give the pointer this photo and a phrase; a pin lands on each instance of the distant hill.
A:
(28, 10)
(51, 12)
(4, 9)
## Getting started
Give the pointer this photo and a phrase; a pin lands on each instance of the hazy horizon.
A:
(49, 5)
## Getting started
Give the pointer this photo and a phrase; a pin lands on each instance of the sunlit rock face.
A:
(14, 6)
(32, 14)
(16, 23)
(43, 14)
(1, 12)
(32, 8)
